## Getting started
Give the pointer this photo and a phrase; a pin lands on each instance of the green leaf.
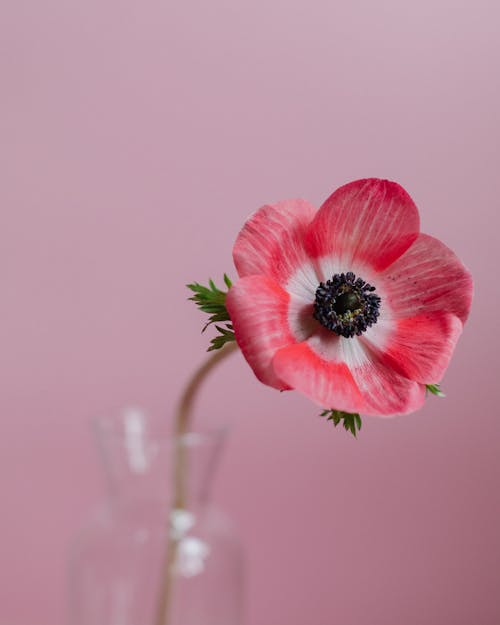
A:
(212, 300)
(350, 421)
(434, 389)
(357, 419)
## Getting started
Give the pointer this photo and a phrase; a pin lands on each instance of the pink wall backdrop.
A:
(135, 137)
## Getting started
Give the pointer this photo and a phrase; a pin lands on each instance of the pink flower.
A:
(349, 304)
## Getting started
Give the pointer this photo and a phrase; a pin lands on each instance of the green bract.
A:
(213, 301)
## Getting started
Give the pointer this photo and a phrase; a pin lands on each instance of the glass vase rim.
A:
(111, 424)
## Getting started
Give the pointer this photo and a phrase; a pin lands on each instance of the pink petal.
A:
(387, 393)
(369, 388)
(258, 308)
(420, 347)
(366, 222)
(271, 241)
(428, 277)
(329, 384)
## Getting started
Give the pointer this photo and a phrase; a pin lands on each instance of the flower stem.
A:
(182, 425)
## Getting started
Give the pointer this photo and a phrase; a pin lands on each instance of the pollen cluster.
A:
(346, 305)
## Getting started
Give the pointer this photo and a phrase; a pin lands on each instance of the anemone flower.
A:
(350, 304)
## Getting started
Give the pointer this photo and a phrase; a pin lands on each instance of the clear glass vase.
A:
(142, 561)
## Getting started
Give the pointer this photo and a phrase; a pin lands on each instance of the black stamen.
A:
(346, 305)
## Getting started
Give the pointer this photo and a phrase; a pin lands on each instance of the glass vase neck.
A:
(139, 454)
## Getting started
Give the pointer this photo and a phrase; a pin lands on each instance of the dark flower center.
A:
(346, 305)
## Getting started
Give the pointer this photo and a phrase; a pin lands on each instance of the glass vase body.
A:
(140, 551)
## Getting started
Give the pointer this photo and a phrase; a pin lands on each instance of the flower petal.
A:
(271, 241)
(420, 348)
(366, 222)
(329, 384)
(258, 308)
(369, 387)
(428, 277)
(387, 393)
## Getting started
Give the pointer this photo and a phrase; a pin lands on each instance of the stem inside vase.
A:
(182, 425)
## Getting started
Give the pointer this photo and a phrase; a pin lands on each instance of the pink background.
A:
(135, 138)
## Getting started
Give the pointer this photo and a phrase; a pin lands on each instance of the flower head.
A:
(349, 304)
